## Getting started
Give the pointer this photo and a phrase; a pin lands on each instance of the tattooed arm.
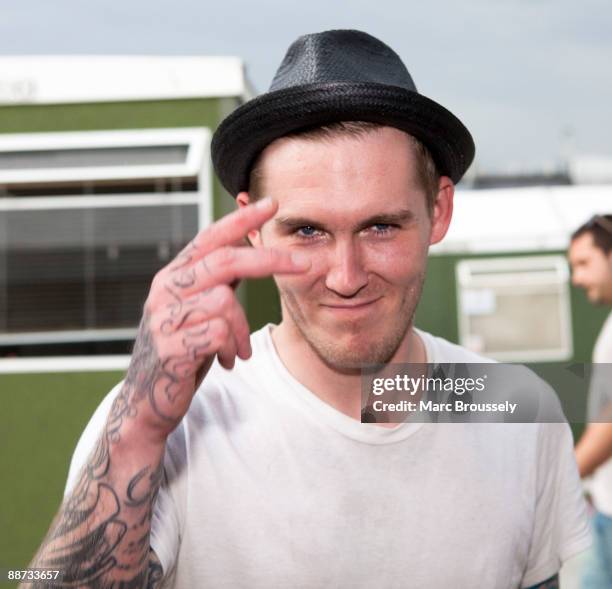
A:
(100, 537)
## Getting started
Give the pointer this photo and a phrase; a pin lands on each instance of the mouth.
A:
(351, 308)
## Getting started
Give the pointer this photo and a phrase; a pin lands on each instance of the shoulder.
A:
(602, 351)
(89, 437)
(441, 351)
(607, 327)
(536, 401)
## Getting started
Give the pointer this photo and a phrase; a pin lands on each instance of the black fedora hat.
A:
(341, 75)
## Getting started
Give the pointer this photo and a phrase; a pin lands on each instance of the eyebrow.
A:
(392, 218)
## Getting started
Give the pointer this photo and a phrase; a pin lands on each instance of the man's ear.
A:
(442, 210)
(254, 236)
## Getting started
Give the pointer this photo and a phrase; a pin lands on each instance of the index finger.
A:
(231, 228)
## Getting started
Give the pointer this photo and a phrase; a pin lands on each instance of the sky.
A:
(531, 79)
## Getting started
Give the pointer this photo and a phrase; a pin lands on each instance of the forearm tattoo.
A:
(101, 532)
(100, 537)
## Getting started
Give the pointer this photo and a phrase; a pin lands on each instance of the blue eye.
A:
(381, 227)
(306, 231)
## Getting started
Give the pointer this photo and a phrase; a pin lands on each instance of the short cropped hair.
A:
(427, 172)
(600, 228)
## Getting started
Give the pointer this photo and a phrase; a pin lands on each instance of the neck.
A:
(339, 389)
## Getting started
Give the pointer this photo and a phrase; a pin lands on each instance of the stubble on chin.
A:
(351, 359)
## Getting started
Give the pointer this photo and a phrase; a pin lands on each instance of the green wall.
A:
(39, 118)
(41, 419)
(437, 310)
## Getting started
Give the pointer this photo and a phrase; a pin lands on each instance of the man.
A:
(590, 256)
(266, 475)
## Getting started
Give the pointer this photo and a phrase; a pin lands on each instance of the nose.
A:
(346, 275)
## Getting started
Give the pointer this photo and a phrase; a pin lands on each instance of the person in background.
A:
(590, 256)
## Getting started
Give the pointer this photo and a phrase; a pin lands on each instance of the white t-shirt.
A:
(269, 487)
(600, 394)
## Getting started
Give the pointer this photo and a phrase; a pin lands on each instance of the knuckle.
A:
(209, 232)
(241, 319)
(158, 280)
(221, 331)
(155, 297)
(275, 253)
(225, 296)
(274, 256)
(226, 255)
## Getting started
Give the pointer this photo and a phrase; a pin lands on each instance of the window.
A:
(77, 259)
(41, 159)
(97, 157)
(515, 308)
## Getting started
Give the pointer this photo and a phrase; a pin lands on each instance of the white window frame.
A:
(464, 273)
(196, 140)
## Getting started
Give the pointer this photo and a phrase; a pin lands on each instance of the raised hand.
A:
(100, 536)
(192, 314)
